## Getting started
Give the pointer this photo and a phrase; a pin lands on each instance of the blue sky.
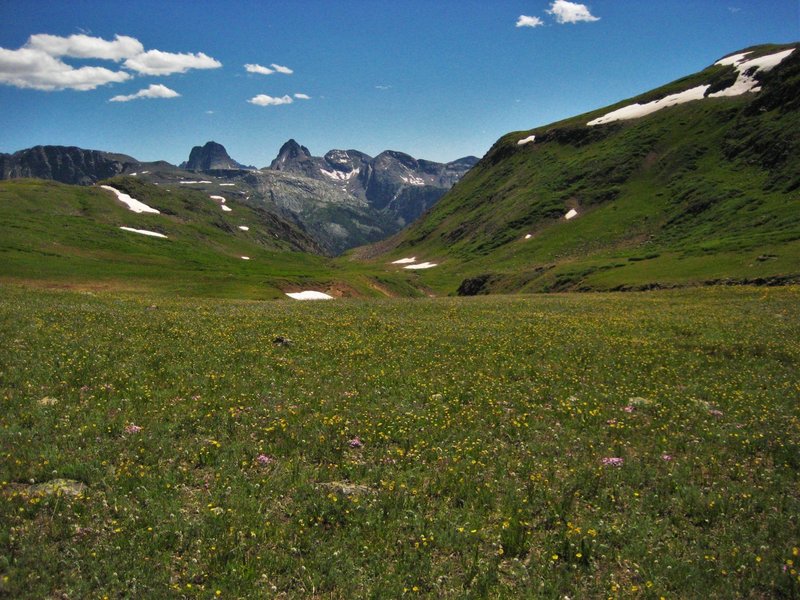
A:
(438, 79)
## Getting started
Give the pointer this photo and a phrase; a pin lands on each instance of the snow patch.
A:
(220, 198)
(227, 184)
(192, 181)
(528, 236)
(340, 175)
(571, 214)
(225, 208)
(634, 111)
(527, 140)
(144, 232)
(244, 228)
(134, 174)
(404, 261)
(309, 295)
(425, 265)
(732, 60)
(413, 180)
(245, 258)
(747, 82)
(133, 204)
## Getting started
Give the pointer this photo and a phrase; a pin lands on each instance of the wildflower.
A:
(263, 459)
(666, 457)
(715, 412)
(132, 428)
(355, 442)
(629, 408)
(613, 461)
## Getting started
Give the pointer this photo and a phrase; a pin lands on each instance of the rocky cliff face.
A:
(393, 182)
(66, 164)
(211, 156)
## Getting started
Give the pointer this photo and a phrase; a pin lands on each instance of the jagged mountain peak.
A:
(289, 153)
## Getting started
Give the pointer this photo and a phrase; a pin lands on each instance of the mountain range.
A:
(344, 199)
(693, 183)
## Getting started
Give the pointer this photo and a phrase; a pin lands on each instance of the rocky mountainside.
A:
(66, 164)
(694, 182)
(344, 199)
(394, 182)
(211, 156)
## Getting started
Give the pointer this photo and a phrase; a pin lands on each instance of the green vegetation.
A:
(56, 235)
(692, 194)
(585, 445)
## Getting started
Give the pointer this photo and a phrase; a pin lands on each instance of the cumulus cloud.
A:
(570, 12)
(84, 46)
(302, 96)
(156, 90)
(259, 69)
(264, 100)
(281, 69)
(156, 62)
(35, 69)
(526, 21)
(38, 64)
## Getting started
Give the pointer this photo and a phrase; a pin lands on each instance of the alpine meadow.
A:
(568, 369)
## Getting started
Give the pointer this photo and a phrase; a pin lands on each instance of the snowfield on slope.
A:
(309, 295)
(745, 82)
(133, 204)
(144, 232)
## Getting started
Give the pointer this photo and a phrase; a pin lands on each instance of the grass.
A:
(401, 448)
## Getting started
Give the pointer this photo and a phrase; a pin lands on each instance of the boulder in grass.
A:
(56, 487)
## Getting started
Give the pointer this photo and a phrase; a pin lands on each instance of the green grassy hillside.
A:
(69, 236)
(705, 191)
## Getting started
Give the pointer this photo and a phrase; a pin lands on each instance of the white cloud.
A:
(259, 69)
(34, 69)
(383, 87)
(38, 65)
(570, 12)
(280, 69)
(156, 90)
(526, 21)
(302, 96)
(156, 62)
(84, 46)
(264, 100)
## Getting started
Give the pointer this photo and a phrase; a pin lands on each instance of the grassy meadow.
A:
(639, 445)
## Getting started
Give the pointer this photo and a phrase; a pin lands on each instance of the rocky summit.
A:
(211, 156)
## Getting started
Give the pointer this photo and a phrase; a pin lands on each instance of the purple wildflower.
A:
(628, 409)
(613, 461)
(263, 459)
(666, 457)
(132, 428)
(355, 442)
(715, 412)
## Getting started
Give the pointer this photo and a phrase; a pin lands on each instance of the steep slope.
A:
(690, 183)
